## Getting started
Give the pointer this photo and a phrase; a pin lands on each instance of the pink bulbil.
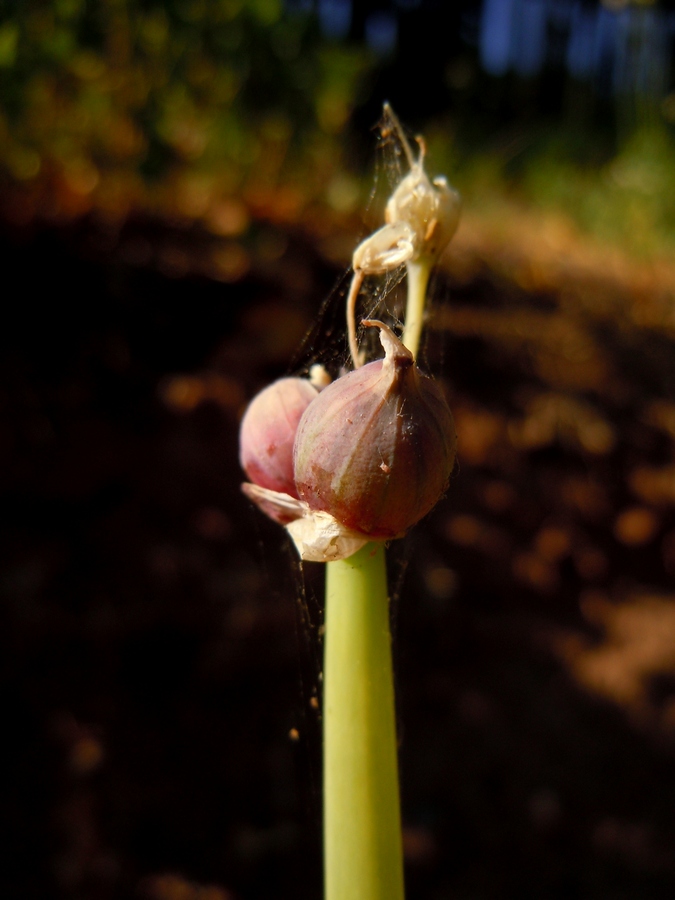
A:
(268, 432)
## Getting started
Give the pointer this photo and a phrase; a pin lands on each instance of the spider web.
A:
(381, 297)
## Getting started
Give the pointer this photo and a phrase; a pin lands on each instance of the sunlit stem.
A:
(355, 287)
(418, 280)
(362, 820)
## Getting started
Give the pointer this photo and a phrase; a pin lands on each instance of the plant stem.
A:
(418, 279)
(355, 287)
(362, 819)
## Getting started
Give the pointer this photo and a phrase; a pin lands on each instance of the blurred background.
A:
(182, 184)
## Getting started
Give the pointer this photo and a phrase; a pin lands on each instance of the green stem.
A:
(418, 279)
(362, 818)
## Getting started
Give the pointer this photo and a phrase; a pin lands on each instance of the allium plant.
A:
(345, 467)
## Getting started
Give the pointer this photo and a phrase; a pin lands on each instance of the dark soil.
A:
(159, 645)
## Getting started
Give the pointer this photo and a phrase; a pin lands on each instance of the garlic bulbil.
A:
(376, 448)
(268, 432)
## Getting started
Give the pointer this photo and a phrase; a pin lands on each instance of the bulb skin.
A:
(268, 431)
(376, 448)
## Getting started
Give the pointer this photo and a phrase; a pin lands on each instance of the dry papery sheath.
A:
(376, 448)
(421, 217)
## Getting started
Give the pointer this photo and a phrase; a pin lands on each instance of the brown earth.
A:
(161, 655)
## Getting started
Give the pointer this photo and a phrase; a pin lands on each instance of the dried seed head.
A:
(376, 447)
(421, 217)
(268, 432)
(430, 209)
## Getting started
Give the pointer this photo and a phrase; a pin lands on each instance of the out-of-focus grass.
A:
(183, 106)
(628, 200)
(624, 201)
(119, 104)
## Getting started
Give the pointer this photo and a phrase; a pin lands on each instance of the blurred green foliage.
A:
(627, 200)
(140, 87)
(619, 194)
(120, 98)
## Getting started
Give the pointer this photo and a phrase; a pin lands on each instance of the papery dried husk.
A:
(431, 211)
(277, 505)
(317, 536)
